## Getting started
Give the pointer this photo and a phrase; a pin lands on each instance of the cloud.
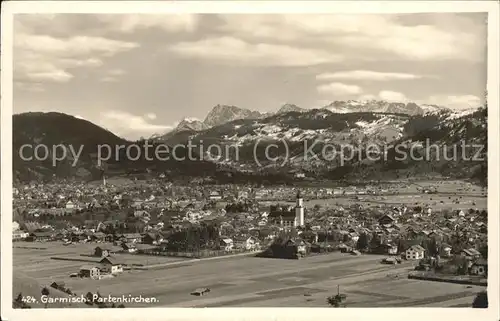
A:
(129, 23)
(233, 50)
(108, 79)
(29, 86)
(190, 119)
(366, 75)
(113, 75)
(117, 72)
(129, 125)
(387, 35)
(73, 46)
(64, 24)
(43, 58)
(456, 101)
(392, 96)
(337, 88)
(151, 116)
(368, 97)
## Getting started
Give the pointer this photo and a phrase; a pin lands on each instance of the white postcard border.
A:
(11, 8)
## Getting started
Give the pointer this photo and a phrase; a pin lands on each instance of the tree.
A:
(336, 300)
(45, 292)
(481, 300)
(19, 302)
(333, 301)
(483, 249)
(376, 241)
(363, 242)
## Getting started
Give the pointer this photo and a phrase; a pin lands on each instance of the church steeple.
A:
(299, 210)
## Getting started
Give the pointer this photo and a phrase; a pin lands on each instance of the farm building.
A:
(287, 249)
(386, 220)
(101, 251)
(226, 244)
(470, 253)
(110, 264)
(415, 252)
(480, 267)
(39, 236)
(90, 271)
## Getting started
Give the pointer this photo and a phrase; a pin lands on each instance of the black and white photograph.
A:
(186, 158)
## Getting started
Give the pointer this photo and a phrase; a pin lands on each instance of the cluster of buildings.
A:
(141, 217)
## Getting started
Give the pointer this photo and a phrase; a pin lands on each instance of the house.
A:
(301, 246)
(77, 236)
(71, 205)
(110, 264)
(415, 252)
(90, 271)
(226, 244)
(40, 236)
(99, 236)
(132, 237)
(480, 267)
(242, 195)
(386, 220)
(446, 250)
(391, 249)
(354, 236)
(383, 248)
(471, 253)
(129, 247)
(142, 214)
(104, 251)
(344, 248)
(251, 243)
(152, 238)
(215, 196)
(300, 175)
(19, 236)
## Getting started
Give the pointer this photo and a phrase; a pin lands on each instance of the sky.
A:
(139, 75)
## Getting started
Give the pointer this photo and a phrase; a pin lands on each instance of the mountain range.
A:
(221, 114)
(340, 123)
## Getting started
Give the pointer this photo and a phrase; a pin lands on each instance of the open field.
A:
(37, 257)
(250, 281)
(467, 195)
(435, 201)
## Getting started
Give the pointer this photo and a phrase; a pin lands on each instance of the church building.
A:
(288, 216)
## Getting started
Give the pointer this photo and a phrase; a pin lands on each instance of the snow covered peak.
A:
(380, 106)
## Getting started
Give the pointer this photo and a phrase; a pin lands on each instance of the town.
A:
(229, 242)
